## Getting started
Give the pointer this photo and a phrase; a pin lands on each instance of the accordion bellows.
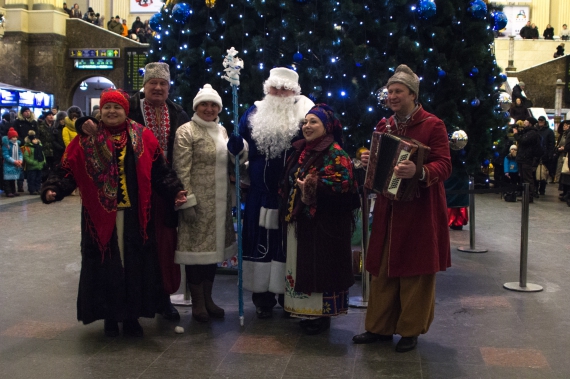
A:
(386, 151)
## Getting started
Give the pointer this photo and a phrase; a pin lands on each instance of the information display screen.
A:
(8, 98)
(93, 64)
(26, 99)
(136, 60)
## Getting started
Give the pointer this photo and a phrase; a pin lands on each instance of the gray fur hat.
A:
(155, 70)
(407, 77)
(61, 115)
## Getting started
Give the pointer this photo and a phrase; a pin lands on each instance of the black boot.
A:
(111, 328)
(168, 310)
(132, 328)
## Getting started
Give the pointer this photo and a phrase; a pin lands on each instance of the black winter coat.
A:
(529, 145)
(547, 137)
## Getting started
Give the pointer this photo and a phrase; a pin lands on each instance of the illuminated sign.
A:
(8, 98)
(93, 64)
(26, 99)
(112, 53)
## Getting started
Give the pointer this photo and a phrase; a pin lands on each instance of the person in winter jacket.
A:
(548, 158)
(559, 50)
(68, 133)
(34, 160)
(115, 25)
(13, 162)
(25, 122)
(548, 32)
(50, 136)
(511, 167)
(529, 152)
(518, 111)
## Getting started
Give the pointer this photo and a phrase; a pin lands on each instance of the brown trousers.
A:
(403, 305)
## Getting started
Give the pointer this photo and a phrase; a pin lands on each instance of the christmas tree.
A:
(344, 52)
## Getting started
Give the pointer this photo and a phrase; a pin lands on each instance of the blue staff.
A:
(232, 66)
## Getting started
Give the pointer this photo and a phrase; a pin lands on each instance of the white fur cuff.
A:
(190, 202)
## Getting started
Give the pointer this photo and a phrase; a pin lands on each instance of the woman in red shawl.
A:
(116, 171)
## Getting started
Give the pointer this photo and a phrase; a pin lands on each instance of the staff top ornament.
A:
(232, 65)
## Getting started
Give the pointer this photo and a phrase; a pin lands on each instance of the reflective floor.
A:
(481, 330)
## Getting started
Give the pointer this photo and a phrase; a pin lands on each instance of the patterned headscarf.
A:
(331, 123)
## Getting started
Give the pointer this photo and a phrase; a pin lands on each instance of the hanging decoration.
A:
(208, 61)
(297, 57)
(181, 12)
(475, 102)
(458, 140)
(478, 9)
(500, 21)
(426, 9)
(474, 72)
(210, 3)
(382, 96)
(155, 22)
(505, 101)
(441, 73)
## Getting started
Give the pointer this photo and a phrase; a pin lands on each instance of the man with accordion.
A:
(409, 241)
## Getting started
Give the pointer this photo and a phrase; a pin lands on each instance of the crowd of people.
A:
(530, 31)
(156, 193)
(139, 31)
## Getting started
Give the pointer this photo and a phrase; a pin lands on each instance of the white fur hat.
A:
(156, 70)
(282, 77)
(513, 147)
(207, 93)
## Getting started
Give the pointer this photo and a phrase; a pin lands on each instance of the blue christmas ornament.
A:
(441, 73)
(478, 9)
(490, 79)
(426, 9)
(208, 61)
(155, 22)
(502, 77)
(475, 102)
(500, 21)
(358, 64)
(486, 163)
(141, 71)
(173, 60)
(474, 72)
(180, 12)
(297, 57)
(496, 154)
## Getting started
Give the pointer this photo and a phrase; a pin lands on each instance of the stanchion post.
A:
(362, 301)
(472, 248)
(522, 285)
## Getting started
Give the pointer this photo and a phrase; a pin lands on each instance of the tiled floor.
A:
(481, 330)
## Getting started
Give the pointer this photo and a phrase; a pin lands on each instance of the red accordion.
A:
(386, 151)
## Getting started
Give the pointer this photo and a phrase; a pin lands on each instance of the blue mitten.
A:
(235, 144)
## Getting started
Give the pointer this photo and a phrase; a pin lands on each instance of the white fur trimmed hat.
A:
(282, 77)
(407, 77)
(513, 147)
(207, 93)
(156, 70)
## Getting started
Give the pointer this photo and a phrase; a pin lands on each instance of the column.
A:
(540, 14)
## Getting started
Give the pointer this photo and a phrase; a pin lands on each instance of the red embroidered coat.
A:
(416, 231)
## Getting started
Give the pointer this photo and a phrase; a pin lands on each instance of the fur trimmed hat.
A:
(513, 147)
(61, 115)
(282, 77)
(407, 77)
(156, 70)
(207, 93)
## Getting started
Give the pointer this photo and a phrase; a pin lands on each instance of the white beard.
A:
(274, 124)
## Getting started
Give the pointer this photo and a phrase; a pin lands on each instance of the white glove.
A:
(189, 215)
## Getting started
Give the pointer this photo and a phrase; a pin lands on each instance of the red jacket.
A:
(417, 230)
